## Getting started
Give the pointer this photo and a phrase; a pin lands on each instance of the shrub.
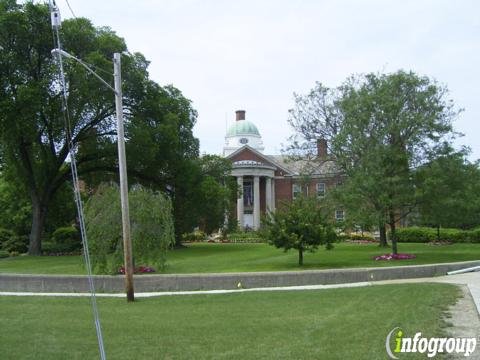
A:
(151, 228)
(196, 235)
(67, 239)
(9, 241)
(342, 237)
(53, 248)
(360, 237)
(4, 254)
(415, 235)
(425, 234)
(5, 235)
(475, 235)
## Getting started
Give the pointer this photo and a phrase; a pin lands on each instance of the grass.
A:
(207, 257)
(349, 323)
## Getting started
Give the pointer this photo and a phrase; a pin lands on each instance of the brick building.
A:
(268, 180)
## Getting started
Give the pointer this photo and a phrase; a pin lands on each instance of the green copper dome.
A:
(243, 127)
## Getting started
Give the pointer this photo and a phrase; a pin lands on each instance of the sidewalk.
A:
(471, 280)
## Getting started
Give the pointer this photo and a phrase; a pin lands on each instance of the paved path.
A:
(471, 280)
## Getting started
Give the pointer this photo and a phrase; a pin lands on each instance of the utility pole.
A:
(127, 241)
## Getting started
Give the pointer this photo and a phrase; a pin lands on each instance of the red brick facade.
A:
(283, 180)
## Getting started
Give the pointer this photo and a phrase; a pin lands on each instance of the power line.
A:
(94, 67)
(55, 17)
(68, 4)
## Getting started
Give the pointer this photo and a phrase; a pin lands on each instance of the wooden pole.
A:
(127, 241)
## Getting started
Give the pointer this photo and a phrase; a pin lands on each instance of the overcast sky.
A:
(253, 55)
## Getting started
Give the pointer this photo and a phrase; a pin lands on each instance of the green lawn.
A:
(350, 323)
(206, 257)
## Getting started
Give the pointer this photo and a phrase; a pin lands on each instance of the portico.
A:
(257, 186)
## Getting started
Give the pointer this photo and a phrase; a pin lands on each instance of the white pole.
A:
(127, 242)
(463, 271)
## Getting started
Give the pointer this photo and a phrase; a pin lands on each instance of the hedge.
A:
(425, 235)
(245, 237)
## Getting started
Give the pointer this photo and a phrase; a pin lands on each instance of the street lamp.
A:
(127, 242)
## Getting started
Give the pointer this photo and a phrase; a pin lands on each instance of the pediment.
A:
(246, 155)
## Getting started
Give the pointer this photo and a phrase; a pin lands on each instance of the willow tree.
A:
(151, 227)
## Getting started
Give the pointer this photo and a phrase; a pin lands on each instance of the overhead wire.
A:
(76, 182)
(68, 4)
(94, 67)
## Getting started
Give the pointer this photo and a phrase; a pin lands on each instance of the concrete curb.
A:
(219, 281)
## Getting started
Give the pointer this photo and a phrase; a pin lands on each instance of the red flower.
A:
(394, 257)
(138, 270)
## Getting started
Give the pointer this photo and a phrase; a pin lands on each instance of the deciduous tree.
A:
(302, 225)
(448, 191)
(33, 135)
(386, 126)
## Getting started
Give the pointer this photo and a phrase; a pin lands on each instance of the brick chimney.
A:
(240, 115)
(322, 148)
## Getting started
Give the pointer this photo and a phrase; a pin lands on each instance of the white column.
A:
(273, 194)
(256, 202)
(240, 202)
(268, 194)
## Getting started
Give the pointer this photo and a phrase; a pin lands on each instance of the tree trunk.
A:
(39, 212)
(383, 234)
(300, 256)
(392, 231)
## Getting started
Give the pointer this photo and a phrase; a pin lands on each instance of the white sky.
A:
(252, 55)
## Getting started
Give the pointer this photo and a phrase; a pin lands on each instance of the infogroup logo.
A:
(431, 346)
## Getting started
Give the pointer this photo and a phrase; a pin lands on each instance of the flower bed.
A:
(138, 270)
(394, 257)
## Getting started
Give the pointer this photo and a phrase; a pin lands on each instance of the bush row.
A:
(245, 237)
(361, 237)
(355, 237)
(425, 234)
(63, 240)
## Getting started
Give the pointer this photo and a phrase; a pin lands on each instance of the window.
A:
(243, 141)
(296, 190)
(320, 189)
(339, 215)
(247, 194)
